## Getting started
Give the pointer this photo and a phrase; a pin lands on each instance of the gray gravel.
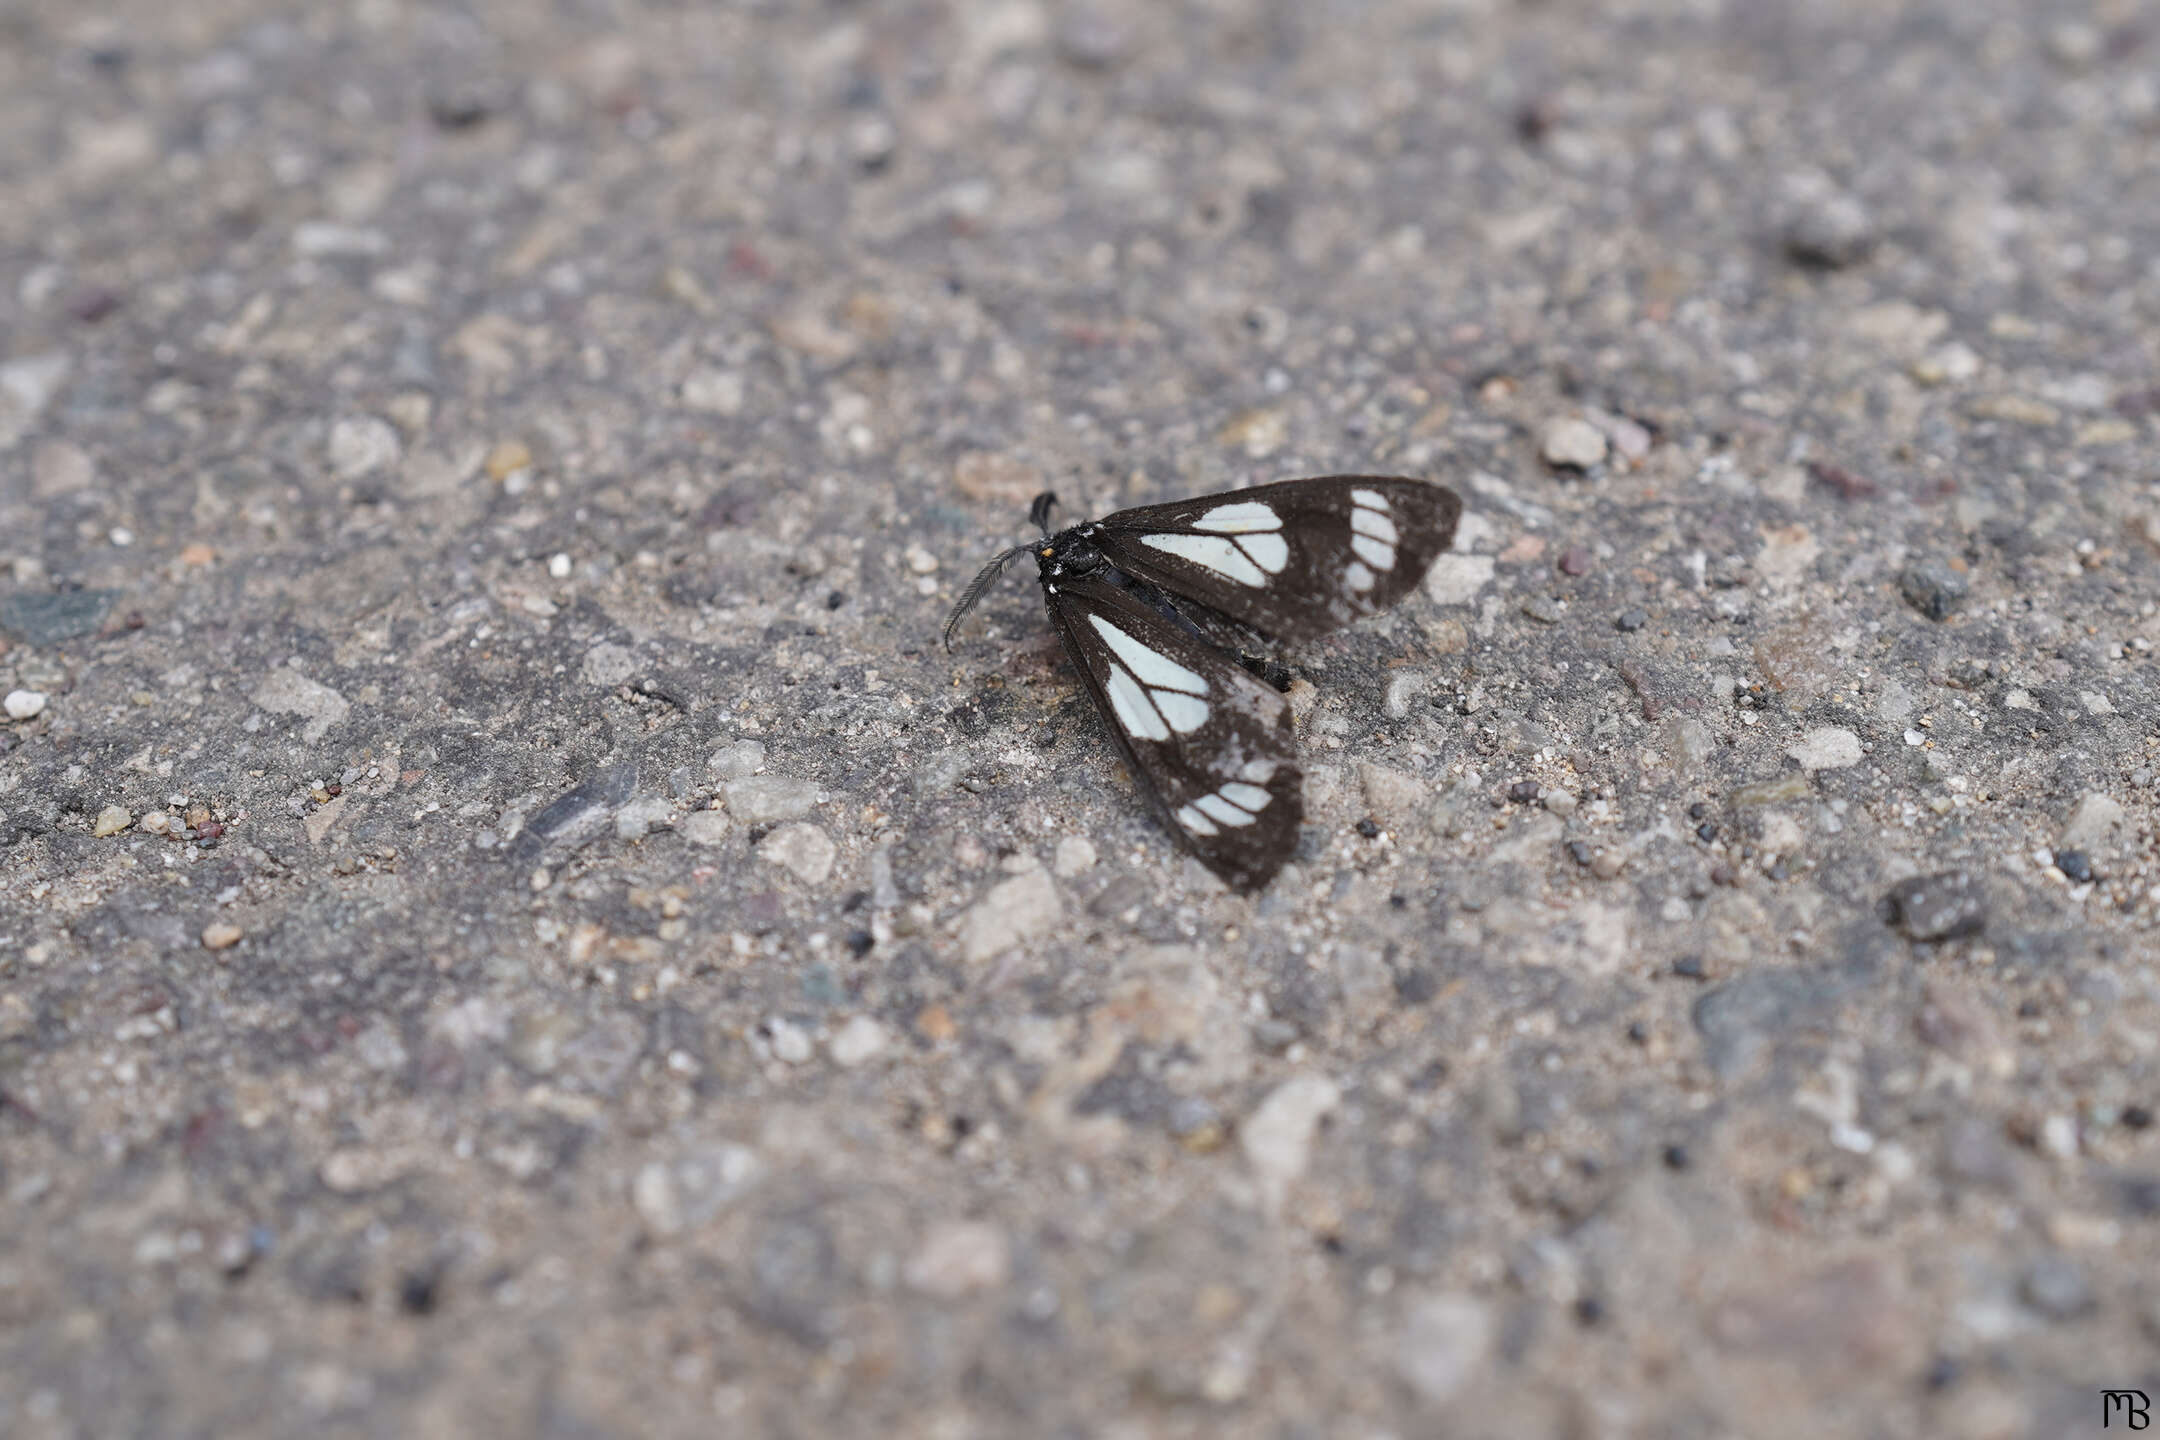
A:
(511, 923)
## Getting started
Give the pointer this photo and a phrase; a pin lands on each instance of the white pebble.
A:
(703, 828)
(559, 567)
(25, 704)
(362, 444)
(960, 1257)
(804, 850)
(790, 1042)
(1827, 747)
(1443, 1345)
(732, 762)
(1015, 912)
(860, 1039)
(1277, 1137)
(1573, 442)
(1075, 856)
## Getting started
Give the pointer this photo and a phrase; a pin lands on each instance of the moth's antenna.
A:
(1039, 512)
(975, 589)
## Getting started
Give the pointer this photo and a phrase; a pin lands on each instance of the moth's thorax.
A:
(1069, 554)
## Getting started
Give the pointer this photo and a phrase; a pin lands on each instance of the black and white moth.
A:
(1160, 608)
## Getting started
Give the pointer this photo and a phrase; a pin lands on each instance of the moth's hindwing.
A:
(1209, 743)
(1296, 559)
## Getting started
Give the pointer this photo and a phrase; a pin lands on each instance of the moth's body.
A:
(1156, 605)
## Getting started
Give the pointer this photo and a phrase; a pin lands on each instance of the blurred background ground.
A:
(510, 925)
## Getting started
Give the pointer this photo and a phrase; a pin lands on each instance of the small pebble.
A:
(2092, 823)
(704, 828)
(960, 1257)
(1572, 443)
(1015, 911)
(1560, 802)
(803, 850)
(1277, 1136)
(1607, 863)
(112, 820)
(1580, 852)
(508, 458)
(1544, 609)
(1575, 560)
(360, 445)
(732, 762)
(220, 935)
(1444, 1345)
(1939, 907)
(1075, 856)
(790, 1042)
(1934, 589)
(1785, 788)
(641, 817)
(1627, 622)
(858, 1040)
(1953, 363)
(766, 799)
(1522, 792)
(2075, 864)
(1832, 232)
(1827, 747)
(559, 567)
(2057, 1288)
(2077, 44)
(25, 704)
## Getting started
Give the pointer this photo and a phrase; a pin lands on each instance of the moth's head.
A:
(1067, 555)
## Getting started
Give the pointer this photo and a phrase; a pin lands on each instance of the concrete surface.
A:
(510, 925)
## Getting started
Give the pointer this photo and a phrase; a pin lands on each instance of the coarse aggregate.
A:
(512, 924)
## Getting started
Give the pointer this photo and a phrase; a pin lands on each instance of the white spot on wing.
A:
(1211, 552)
(1357, 577)
(1132, 707)
(1196, 822)
(1259, 771)
(1252, 797)
(1373, 553)
(1153, 667)
(1371, 499)
(1164, 697)
(1373, 523)
(1183, 713)
(1217, 808)
(1242, 518)
(1269, 552)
